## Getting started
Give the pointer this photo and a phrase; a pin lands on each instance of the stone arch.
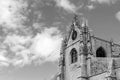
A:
(100, 52)
(73, 54)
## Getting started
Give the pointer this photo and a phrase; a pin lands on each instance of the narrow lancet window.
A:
(73, 55)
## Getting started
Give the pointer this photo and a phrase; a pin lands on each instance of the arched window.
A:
(73, 54)
(100, 52)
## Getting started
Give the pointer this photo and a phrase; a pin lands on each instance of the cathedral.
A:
(87, 57)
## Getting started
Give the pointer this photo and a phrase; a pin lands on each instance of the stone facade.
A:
(86, 57)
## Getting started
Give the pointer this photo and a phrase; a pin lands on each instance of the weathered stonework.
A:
(98, 66)
(97, 59)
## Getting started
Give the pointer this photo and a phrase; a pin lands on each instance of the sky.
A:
(31, 33)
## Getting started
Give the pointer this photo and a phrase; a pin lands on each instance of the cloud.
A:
(104, 1)
(66, 5)
(4, 64)
(21, 50)
(22, 58)
(92, 4)
(4, 61)
(2, 58)
(118, 15)
(91, 7)
(17, 48)
(47, 44)
(14, 39)
(10, 13)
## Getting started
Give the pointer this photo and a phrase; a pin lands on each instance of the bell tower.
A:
(74, 52)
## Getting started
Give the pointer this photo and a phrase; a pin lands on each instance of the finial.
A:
(75, 19)
(112, 41)
(85, 22)
(85, 26)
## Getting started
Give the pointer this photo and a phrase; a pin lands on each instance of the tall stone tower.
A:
(86, 57)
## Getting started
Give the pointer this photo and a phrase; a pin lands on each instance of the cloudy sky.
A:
(31, 32)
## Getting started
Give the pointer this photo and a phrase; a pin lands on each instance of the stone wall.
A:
(97, 42)
(101, 68)
(98, 66)
(115, 50)
(72, 70)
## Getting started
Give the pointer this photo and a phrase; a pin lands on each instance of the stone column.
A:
(111, 74)
(84, 55)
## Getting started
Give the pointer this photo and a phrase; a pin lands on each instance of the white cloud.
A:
(67, 5)
(22, 58)
(104, 1)
(47, 44)
(118, 15)
(16, 39)
(43, 47)
(4, 61)
(17, 62)
(90, 7)
(40, 48)
(4, 64)
(17, 45)
(92, 4)
(10, 15)
(2, 58)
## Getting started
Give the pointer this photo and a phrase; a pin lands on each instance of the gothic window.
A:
(100, 52)
(74, 35)
(73, 55)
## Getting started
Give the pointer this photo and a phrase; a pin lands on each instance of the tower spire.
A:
(84, 22)
(75, 17)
